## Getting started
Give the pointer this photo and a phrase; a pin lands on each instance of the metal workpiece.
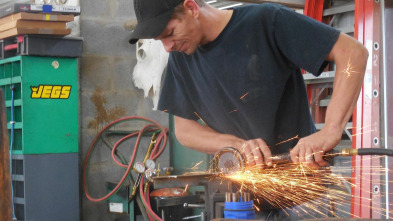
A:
(214, 188)
(182, 180)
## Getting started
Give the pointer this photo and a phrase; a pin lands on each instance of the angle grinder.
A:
(229, 160)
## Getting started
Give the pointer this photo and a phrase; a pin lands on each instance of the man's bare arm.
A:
(350, 58)
(204, 139)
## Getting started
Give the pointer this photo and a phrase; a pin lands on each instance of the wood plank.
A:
(5, 176)
(36, 17)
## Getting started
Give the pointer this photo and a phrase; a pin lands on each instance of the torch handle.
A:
(286, 157)
(281, 158)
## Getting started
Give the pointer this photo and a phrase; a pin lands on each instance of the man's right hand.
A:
(200, 137)
(255, 152)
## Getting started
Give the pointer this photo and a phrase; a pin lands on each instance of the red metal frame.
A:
(314, 9)
(366, 196)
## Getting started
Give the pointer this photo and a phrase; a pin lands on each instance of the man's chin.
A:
(190, 51)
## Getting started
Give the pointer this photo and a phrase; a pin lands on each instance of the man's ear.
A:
(190, 6)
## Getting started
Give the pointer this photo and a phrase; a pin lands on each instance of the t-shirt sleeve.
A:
(174, 97)
(302, 40)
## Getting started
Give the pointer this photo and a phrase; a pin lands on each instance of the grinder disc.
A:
(228, 160)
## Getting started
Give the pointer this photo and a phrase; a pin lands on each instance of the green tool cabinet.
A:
(45, 175)
(45, 103)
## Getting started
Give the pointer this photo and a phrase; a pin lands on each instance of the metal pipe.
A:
(234, 197)
(203, 216)
(189, 205)
(385, 101)
(192, 217)
(153, 141)
(228, 197)
(162, 215)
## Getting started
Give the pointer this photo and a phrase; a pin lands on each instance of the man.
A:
(238, 71)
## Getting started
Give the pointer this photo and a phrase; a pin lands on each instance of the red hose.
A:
(148, 208)
(140, 133)
(92, 146)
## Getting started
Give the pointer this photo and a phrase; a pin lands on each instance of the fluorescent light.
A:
(231, 6)
(213, 1)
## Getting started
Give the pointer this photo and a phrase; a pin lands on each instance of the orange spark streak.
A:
(195, 167)
(364, 132)
(200, 118)
(243, 96)
(232, 111)
(293, 138)
(349, 69)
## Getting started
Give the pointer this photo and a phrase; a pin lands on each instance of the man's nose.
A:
(168, 45)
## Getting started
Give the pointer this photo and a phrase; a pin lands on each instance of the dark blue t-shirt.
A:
(247, 82)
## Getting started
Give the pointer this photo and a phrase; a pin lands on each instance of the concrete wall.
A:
(107, 93)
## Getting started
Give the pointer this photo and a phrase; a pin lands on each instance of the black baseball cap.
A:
(152, 16)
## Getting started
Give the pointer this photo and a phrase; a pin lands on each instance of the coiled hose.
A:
(154, 127)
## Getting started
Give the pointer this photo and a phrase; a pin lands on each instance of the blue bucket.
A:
(239, 210)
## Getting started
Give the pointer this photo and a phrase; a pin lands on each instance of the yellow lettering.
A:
(36, 91)
(51, 91)
(56, 92)
(46, 91)
(65, 92)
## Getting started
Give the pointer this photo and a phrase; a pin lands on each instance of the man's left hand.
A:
(310, 150)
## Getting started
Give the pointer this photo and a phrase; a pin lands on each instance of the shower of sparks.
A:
(299, 189)
(289, 186)
(349, 70)
(303, 191)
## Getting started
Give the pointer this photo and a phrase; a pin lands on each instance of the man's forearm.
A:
(202, 138)
(351, 61)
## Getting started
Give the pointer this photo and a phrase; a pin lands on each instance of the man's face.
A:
(181, 34)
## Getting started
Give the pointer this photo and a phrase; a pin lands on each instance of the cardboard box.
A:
(19, 7)
(33, 24)
(42, 31)
(36, 17)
